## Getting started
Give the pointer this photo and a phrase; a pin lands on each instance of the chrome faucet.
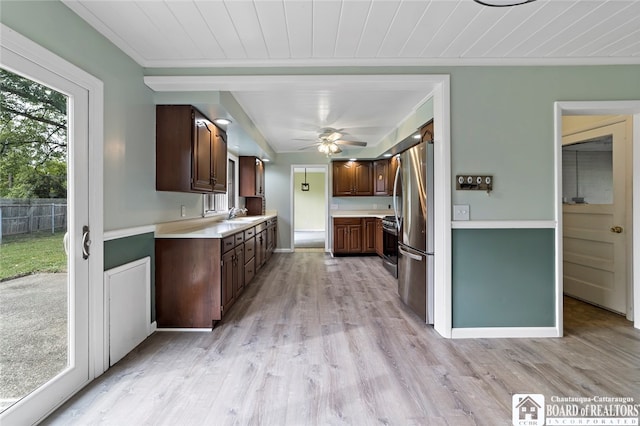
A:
(233, 212)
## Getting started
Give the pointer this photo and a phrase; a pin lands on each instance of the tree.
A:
(33, 139)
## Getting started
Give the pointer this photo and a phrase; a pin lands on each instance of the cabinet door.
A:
(227, 279)
(363, 178)
(219, 160)
(259, 178)
(202, 166)
(379, 238)
(238, 269)
(249, 271)
(381, 177)
(369, 235)
(340, 241)
(261, 248)
(426, 132)
(251, 177)
(394, 162)
(342, 178)
(355, 238)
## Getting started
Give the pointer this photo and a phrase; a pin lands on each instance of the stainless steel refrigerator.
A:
(413, 205)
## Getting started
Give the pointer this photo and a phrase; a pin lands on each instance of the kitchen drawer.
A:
(347, 220)
(228, 243)
(249, 249)
(239, 238)
(249, 233)
(261, 227)
(249, 271)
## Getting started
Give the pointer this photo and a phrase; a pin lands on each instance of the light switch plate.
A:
(461, 212)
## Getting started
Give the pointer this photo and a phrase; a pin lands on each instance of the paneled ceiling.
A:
(321, 33)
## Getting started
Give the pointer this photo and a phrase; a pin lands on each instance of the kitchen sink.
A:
(241, 219)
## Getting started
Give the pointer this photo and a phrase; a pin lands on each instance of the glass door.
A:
(44, 344)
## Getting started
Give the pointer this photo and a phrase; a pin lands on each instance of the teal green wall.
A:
(503, 278)
(124, 250)
(501, 124)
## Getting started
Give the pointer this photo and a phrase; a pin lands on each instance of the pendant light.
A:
(502, 3)
(305, 185)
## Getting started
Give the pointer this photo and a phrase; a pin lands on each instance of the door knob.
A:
(617, 229)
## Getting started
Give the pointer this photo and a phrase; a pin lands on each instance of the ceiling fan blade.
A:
(352, 143)
(308, 146)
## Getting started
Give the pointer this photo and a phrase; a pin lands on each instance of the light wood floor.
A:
(323, 341)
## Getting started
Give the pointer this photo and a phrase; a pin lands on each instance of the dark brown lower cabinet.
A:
(347, 235)
(354, 235)
(188, 282)
(369, 235)
(199, 279)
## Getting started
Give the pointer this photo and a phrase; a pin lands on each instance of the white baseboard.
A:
(504, 332)
(153, 327)
(283, 250)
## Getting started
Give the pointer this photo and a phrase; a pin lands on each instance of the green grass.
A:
(31, 253)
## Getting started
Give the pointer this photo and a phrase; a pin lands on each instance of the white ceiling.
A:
(297, 33)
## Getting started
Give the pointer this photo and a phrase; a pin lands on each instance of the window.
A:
(221, 203)
(587, 171)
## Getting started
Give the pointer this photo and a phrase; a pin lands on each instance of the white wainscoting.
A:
(127, 290)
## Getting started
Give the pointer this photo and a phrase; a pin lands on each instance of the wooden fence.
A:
(25, 216)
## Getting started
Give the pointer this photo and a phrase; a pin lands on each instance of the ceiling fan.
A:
(329, 141)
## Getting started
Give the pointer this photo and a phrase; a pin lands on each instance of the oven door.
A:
(390, 250)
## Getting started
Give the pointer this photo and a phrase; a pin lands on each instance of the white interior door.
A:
(594, 216)
(74, 371)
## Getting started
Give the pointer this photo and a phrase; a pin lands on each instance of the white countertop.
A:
(361, 213)
(208, 227)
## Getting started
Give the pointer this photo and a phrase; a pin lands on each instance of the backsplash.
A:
(361, 203)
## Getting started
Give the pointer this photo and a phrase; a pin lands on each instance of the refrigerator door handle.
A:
(410, 255)
(395, 194)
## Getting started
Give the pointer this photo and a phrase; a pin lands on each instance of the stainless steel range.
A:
(390, 244)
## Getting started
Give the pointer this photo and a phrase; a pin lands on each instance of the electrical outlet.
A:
(183, 211)
(460, 212)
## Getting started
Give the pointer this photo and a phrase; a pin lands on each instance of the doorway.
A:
(596, 176)
(309, 207)
(601, 116)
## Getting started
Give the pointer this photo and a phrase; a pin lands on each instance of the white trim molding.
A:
(504, 224)
(599, 108)
(128, 232)
(505, 332)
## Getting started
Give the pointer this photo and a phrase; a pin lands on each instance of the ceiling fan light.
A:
(333, 147)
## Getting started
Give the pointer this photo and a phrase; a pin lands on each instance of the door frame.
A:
(598, 108)
(37, 54)
(327, 216)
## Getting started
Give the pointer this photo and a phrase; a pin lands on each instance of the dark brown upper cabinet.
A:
(352, 178)
(251, 177)
(382, 185)
(426, 132)
(191, 151)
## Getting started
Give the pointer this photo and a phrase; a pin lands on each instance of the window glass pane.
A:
(34, 295)
(587, 172)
